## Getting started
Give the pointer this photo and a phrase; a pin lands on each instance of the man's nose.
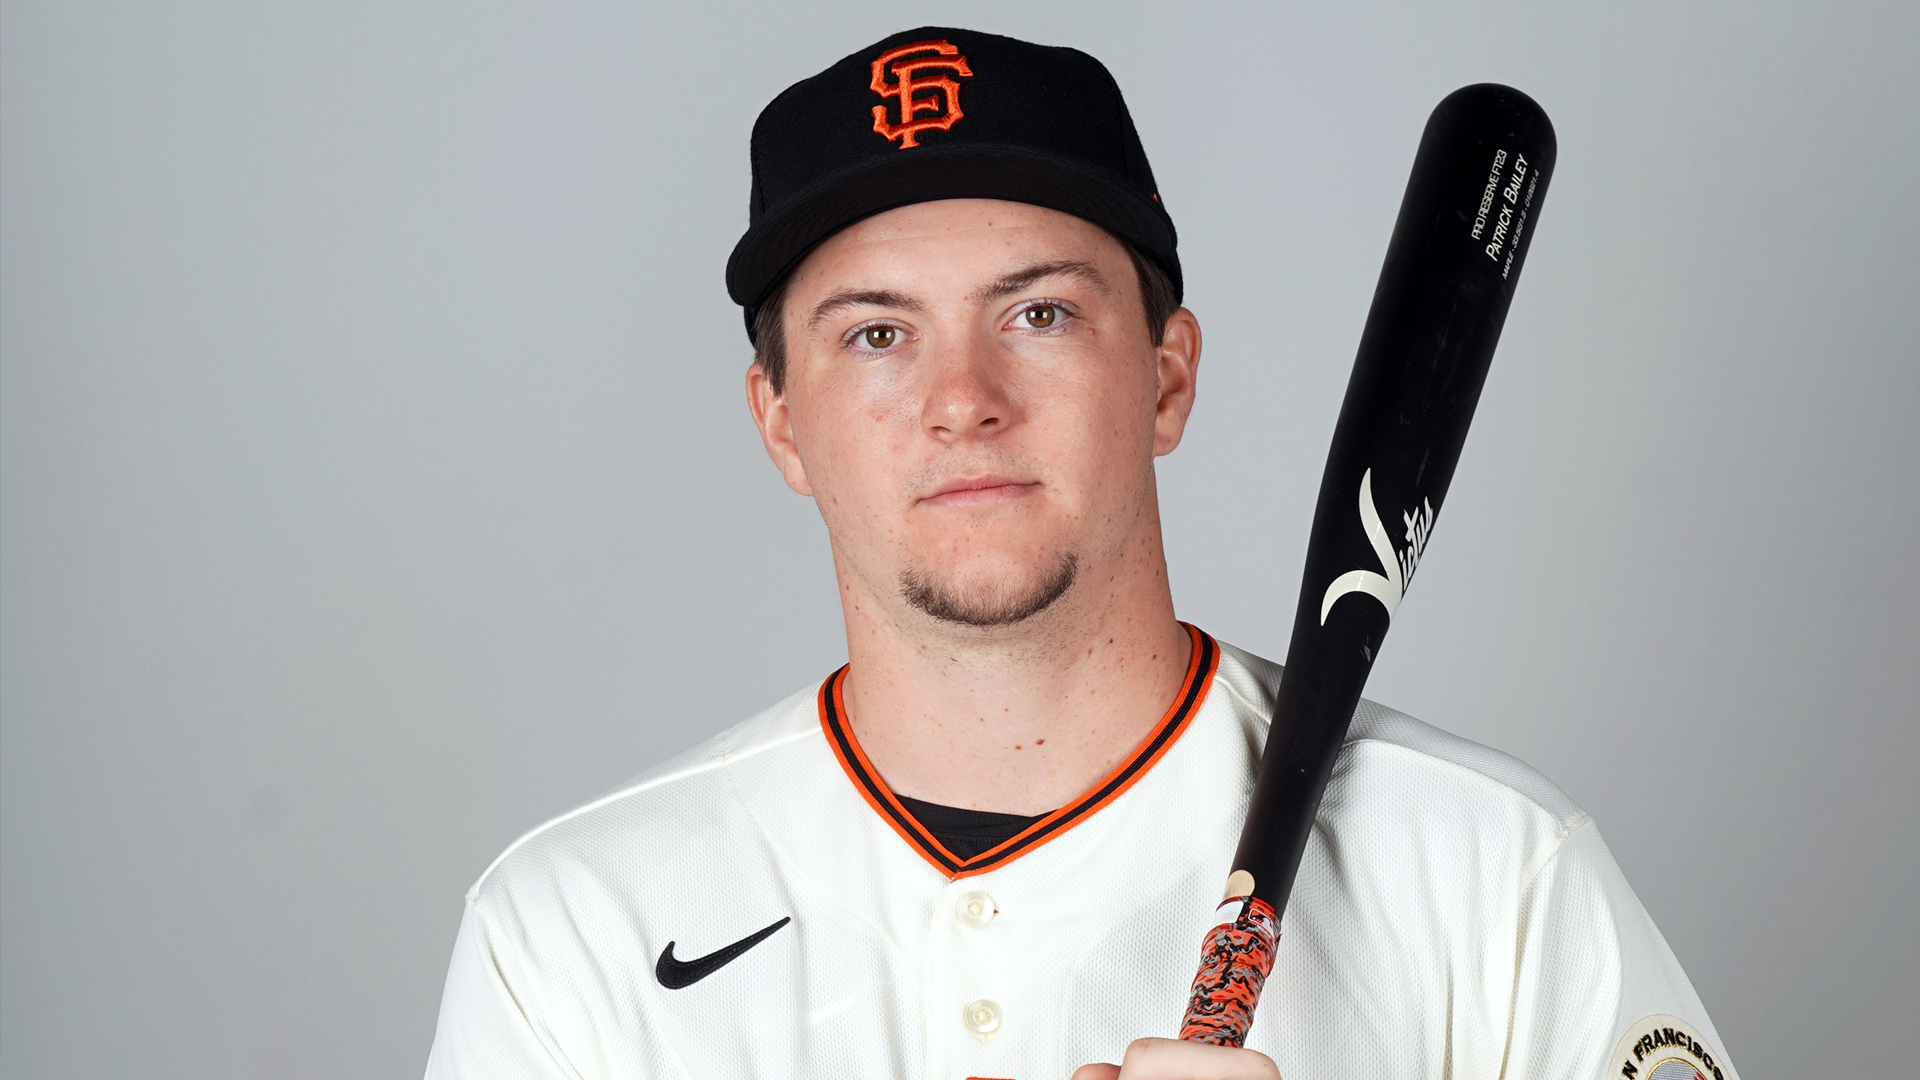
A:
(969, 396)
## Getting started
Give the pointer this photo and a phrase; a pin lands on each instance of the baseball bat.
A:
(1458, 246)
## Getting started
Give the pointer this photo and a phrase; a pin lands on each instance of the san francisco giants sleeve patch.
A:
(1662, 1047)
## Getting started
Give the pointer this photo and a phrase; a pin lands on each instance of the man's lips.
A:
(980, 491)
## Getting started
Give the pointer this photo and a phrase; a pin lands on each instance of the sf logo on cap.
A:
(926, 101)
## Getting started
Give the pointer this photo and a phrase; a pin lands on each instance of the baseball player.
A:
(990, 844)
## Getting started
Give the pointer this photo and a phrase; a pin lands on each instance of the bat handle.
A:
(1235, 958)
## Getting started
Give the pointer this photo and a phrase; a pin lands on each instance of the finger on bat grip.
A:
(1172, 1059)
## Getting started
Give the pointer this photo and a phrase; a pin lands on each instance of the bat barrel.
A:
(1459, 243)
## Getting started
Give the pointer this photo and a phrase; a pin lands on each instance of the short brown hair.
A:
(1157, 298)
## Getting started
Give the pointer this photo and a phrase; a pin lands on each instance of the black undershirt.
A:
(966, 833)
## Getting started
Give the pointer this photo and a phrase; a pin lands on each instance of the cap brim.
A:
(775, 245)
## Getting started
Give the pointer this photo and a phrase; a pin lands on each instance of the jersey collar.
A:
(866, 779)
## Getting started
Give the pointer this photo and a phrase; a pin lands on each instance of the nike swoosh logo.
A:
(674, 974)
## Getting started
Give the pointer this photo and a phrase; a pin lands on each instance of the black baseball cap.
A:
(985, 117)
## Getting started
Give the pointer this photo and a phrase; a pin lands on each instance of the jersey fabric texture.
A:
(1456, 915)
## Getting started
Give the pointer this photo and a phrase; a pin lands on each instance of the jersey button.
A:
(982, 1017)
(975, 909)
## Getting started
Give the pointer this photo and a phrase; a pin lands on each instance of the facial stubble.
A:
(993, 607)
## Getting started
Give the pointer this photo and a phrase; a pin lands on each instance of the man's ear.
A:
(770, 415)
(1179, 357)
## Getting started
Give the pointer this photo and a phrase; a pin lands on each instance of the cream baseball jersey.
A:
(763, 906)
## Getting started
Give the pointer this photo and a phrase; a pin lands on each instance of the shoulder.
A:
(1392, 762)
(1431, 853)
(1381, 731)
(661, 817)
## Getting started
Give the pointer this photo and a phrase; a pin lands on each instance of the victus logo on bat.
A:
(924, 85)
(1399, 565)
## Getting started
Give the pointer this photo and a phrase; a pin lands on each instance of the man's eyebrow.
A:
(1020, 279)
(847, 298)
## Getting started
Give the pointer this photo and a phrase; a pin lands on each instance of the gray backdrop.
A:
(377, 480)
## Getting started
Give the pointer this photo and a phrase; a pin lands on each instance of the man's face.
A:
(974, 401)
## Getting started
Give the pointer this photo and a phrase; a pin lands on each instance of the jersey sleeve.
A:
(485, 1031)
(1598, 995)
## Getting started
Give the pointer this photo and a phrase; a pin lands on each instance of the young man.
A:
(989, 846)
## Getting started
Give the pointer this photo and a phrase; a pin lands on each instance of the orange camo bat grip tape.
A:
(1235, 959)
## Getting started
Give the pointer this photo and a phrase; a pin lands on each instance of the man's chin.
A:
(988, 600)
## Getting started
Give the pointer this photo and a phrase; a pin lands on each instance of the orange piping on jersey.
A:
(866, 779)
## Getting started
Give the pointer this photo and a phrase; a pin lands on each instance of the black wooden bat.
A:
(1457, 250)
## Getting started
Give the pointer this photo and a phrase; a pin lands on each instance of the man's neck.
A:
(1020, 719)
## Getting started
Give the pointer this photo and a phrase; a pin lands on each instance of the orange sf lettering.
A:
(926, 101)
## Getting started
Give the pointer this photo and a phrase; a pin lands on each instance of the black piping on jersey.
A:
(1200, 673)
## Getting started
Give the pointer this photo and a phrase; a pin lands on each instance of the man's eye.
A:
(879, 337)
(1041, 316)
